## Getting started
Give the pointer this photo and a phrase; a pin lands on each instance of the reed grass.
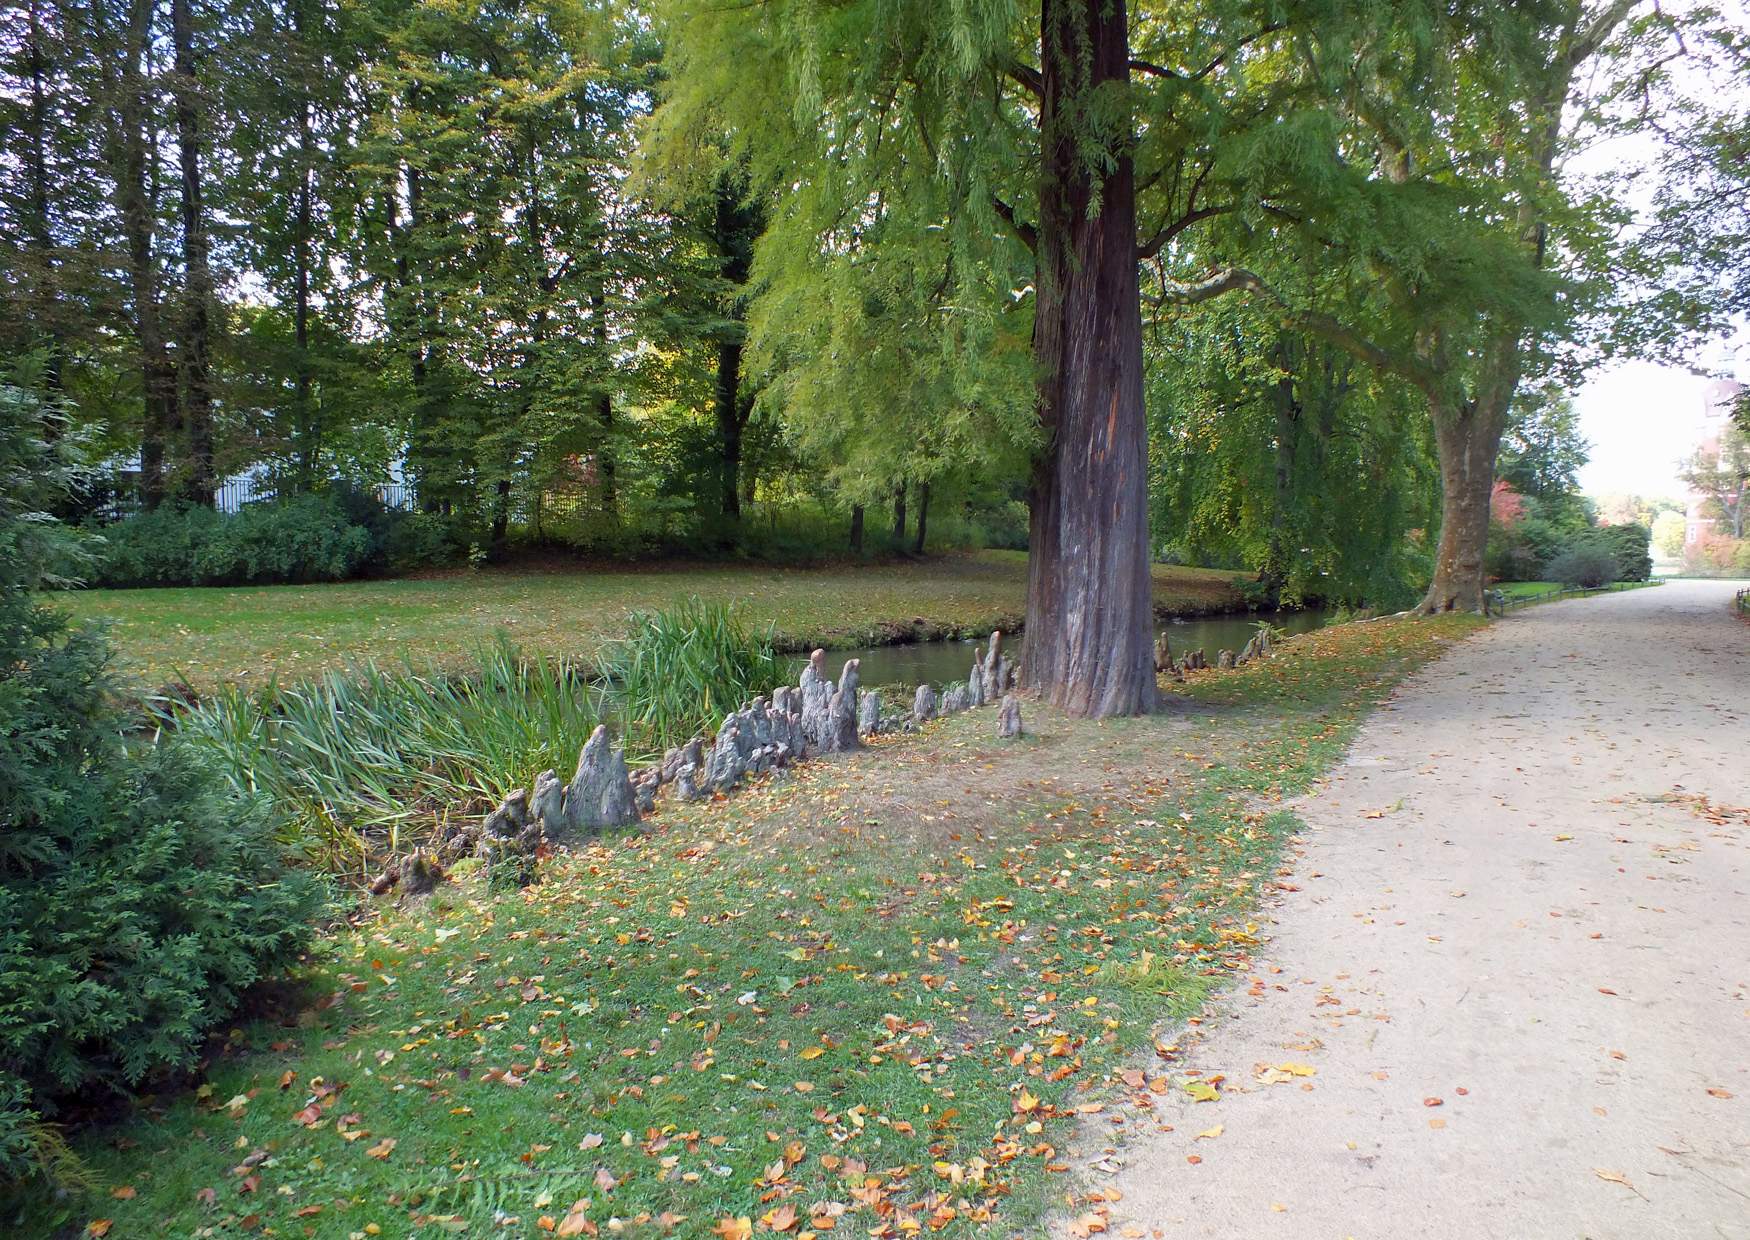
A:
(350, 761)
(353, 761)
(678, 671)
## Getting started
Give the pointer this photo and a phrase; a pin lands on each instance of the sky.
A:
(1643, 418)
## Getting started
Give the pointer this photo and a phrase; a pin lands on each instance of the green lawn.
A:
(888, 988)
(1516, 590)
(208, 635)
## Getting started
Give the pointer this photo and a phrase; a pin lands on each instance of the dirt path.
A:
(1511, 899)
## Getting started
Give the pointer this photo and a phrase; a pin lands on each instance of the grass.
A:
(895, 986)
(250, 635)
(1534, 590)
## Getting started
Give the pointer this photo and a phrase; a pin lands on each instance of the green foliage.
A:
(678, 671)
(1669, 530)
(1589, 565)
(1630, 543)
(331, 536)
(351, 758)
(138, 899)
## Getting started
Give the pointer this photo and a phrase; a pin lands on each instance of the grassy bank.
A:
(214, 635)
(882, 993)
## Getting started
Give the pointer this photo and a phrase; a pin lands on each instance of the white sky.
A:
(1643, 418)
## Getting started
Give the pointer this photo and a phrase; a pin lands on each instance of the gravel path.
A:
(1517, 960)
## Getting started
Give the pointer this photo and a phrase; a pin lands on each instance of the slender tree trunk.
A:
(1089, 610)
(923, 516)
(131, 146)
(304, 422)
(195, 353)
(857, 529)
(604, 401)
(1274, 572)
(899, 515)
(38, 234)
(728, 406)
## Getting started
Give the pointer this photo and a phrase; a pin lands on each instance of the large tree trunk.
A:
(1467, 444)
(195, 352)
(1089, 611)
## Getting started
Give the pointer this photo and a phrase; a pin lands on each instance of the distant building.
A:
(1719, 401)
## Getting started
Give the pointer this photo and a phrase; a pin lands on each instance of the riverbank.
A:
(210, 636)
(885, 989)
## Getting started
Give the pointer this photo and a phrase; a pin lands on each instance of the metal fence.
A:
(1741, 600)
(1500, 603)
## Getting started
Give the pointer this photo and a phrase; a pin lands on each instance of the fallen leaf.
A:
(575, 1223)
(733, 1228)
(99, 1227)
(1209, 1134)
(1719, 1093)
(126, 1191)
(1615, 1177)
(383, 1148)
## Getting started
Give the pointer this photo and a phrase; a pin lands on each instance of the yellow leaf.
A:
(814, 1052)
(1209, 1134)
(733, 1228)
(383, 1148)
(1615, 1177)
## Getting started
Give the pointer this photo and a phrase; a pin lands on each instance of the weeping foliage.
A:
(1280, 454)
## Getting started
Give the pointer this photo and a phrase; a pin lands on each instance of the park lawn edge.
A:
(206, 636)
(859, 965)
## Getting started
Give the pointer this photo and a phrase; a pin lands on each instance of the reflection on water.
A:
(940, 663)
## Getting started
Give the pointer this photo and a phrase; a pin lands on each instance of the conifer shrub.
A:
(138, 899)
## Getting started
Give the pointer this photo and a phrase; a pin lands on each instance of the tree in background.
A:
(1720, 474)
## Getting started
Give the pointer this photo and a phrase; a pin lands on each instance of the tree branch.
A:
(1324, 326)
(1166, 232)
(1026, 232)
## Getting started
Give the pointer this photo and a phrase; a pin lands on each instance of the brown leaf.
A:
(383, 1148)
(574, 1223)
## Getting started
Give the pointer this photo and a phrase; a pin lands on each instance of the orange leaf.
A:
(733, 1228)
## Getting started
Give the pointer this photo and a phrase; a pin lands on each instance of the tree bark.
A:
(899, 514)
(857, 529)
(923, 516)
(305, 443)
(730, 421)
(1467, 446)
(38, 234)
(1089, 610)
(131, 146)
(195, 353)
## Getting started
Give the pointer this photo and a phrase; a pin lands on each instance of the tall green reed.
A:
(351, 760)
(678, 671)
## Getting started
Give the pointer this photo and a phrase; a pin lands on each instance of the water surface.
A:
(943, 662)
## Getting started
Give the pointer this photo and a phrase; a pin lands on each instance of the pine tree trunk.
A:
(195, 352)
(923, 516)
(1467, 448)
(1089, 610)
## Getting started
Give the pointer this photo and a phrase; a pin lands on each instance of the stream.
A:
(944, 662)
